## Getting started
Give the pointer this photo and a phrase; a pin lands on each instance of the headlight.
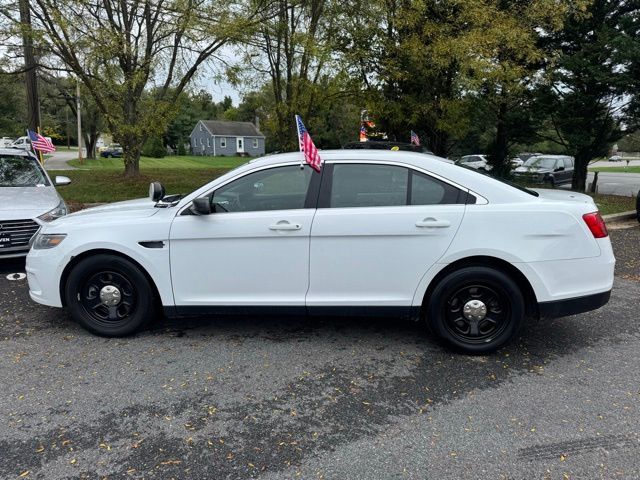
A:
(59, 211)
(47, 240)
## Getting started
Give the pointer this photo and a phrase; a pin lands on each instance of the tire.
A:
(501, 320)
(91, 283)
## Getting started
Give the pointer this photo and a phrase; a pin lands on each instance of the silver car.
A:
(28, 198)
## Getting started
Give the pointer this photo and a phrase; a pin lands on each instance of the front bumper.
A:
(573, 306)
(44, 269)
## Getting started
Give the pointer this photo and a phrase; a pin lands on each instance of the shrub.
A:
(154, 147)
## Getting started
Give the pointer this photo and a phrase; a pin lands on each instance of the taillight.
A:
(596, 224)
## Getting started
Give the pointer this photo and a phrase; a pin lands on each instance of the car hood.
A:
(562, 195)
(27, 202)
(140, 208)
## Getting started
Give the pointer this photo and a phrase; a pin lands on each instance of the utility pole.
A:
(79, 114)
(31, 78)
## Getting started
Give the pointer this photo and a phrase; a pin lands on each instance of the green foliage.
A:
(591, 80)
(154, 148)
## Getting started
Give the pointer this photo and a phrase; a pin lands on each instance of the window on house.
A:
(255, 143)
(223, 142)
(208, 142)
(201, 128)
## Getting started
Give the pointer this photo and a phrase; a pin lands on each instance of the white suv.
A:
(375, 233)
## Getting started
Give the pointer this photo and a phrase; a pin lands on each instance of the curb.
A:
(620, 217)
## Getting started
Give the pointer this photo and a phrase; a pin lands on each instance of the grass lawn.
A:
(146, 163)
(632, 169)
(109, 185)
(613, 203)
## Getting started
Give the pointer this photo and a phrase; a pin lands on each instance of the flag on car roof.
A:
(40, 143)
(415, 139)
(307, 147)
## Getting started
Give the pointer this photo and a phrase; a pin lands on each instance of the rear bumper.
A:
(573, 306)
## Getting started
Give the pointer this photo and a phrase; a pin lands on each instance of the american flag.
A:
(363, 133)
(415, 139)
(311, 155)
(40, 143)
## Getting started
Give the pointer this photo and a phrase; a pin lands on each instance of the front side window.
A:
(17, 171)
(279, 188)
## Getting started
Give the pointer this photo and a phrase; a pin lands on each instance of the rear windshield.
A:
(501, 180)
(18, 171)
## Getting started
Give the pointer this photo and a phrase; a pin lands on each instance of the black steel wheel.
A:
(476, 309)
(109, 295)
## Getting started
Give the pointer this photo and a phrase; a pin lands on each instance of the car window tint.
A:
(368, 185)
(280, 188)
(426, 190)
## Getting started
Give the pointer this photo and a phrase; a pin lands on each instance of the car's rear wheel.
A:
(476, 309)
(109, 296)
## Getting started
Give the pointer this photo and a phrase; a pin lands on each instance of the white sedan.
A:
(397, 234)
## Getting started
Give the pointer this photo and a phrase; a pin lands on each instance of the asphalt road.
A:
(330, 398)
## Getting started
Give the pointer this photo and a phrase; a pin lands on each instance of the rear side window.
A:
(367, 185)
(568, 163)
(374, 185)
(426, 190)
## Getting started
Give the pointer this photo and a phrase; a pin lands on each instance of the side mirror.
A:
(559, 169)
(156, 191)
(61, 181)
(201, 206)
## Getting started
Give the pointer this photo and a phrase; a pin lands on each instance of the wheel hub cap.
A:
(110, 295)
(474, 310)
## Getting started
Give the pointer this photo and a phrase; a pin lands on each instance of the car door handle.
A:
(431, 222)
(284, 225)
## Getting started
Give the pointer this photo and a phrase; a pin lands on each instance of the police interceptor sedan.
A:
(398, 234)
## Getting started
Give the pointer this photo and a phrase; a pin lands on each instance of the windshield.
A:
(17, 171)
(540, 162)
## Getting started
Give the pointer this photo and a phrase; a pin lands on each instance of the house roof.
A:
(235, 129)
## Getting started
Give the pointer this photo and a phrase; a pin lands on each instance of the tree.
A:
(425, 63)
(293, 48)
(118, 50)
(592, 84)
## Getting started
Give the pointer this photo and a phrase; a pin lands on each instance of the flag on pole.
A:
(40, 143)
(307, 147)
(363, 133)
(415, 139)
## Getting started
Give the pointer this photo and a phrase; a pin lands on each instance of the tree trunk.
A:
(499, 159)
(579, 180)
(131, 149)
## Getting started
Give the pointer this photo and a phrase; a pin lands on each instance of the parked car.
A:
(28, 199)
(376, 233)
(6, 142)
(550, 170)
(112, 151)
(23, 143)
(615, 158)
(516, 162)
(478, 162)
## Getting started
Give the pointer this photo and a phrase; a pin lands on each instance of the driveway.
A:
(331, 398)
(58, 160)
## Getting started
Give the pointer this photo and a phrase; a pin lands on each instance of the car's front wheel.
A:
(109, 296)
(476, 309)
